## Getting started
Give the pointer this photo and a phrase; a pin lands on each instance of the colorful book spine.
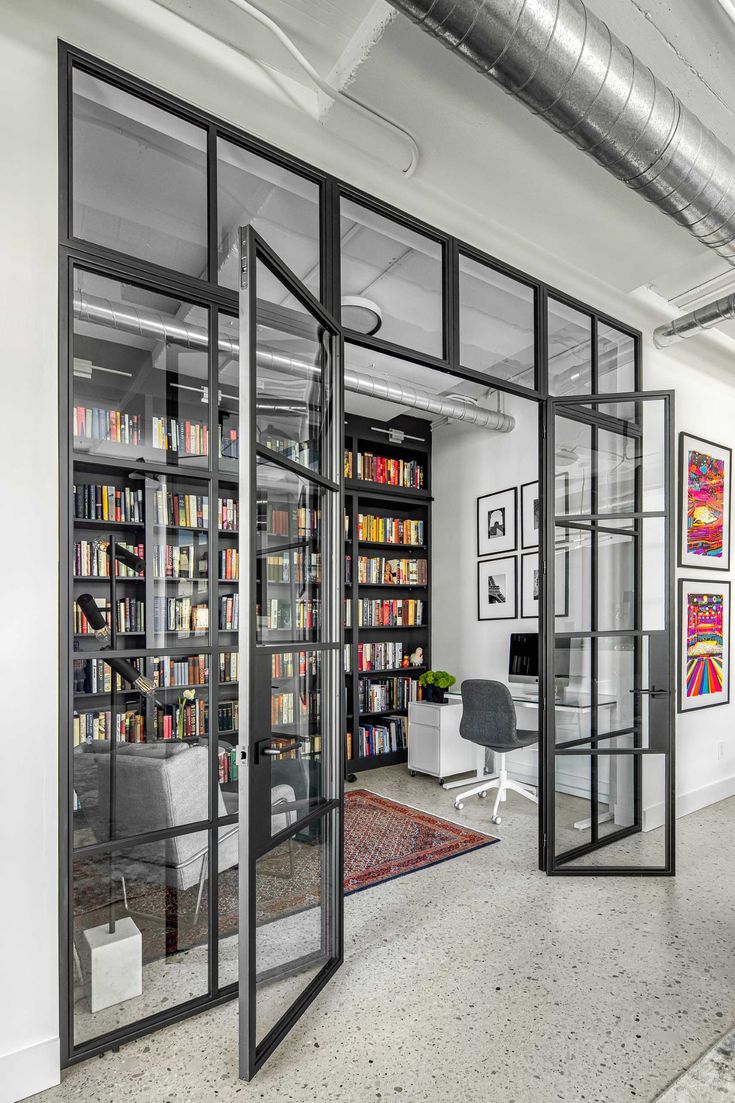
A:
(104, 502)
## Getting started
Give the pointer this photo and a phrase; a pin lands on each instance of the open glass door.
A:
(290, 748)
(608, 654)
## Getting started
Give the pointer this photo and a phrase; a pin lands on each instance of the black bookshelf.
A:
(407, 439)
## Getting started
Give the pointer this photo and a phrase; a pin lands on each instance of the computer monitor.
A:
(523, 659)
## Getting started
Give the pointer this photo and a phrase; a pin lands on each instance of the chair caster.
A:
(497, 819)
(441, 780)
(458, 806)
(482, 795)
(413, 773)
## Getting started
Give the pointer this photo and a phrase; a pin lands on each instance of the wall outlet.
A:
(720, 750)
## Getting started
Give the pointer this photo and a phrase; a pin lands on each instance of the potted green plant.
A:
(436, 683)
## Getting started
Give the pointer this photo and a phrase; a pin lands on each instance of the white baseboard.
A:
(30, 1070)
(691, 801)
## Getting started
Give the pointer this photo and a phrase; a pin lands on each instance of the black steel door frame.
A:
(585, 410)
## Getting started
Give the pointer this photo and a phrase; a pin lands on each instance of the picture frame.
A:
(497, 588)
(529, 584)
(705, 492)
(531, 509)
(703, 675)
(497, 522)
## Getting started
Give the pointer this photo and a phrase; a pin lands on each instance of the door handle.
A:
(264, 747)
(652, 692)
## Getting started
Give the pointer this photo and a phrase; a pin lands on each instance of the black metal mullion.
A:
(594, 626)
(213, 592)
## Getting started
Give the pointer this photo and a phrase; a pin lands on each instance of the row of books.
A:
(387, 471)
(379, 656)
(376, 739)
(95, 676)
(229, 666)
(391, 613)
(228, 716)
(173, 434)
(229, 443)
(188, 510)
(290, 664)
(389, 530)
(300, 451)
(104, 502)
(227, 762)
(287, 706)
(179, 614)
(130, 616)
(93, 561)
(228, 515)
(190, 671)
(390, 693)
(392, 572)
(229, 564)
(303, 568)
(229, 613)
(182, 560)
(98, 423)
(277, 520)
(182, 721)
(124, 727)
(277, 613)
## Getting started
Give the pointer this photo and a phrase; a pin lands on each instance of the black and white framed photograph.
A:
(497, 522)
(531, 510)
(497, 589)
(531, 584)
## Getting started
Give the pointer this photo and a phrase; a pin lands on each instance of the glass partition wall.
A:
(153, 195)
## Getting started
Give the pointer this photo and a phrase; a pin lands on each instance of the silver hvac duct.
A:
(565, 64)
(143, 322)
(704, 317)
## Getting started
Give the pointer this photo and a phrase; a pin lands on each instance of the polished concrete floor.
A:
(483, 980)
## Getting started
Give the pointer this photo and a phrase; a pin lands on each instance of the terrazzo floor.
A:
(481, 979)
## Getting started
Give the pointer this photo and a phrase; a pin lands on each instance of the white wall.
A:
(141, 37)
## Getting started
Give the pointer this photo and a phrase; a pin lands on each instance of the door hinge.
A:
(243, 258)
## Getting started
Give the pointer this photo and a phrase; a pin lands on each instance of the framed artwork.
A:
(497, 522)
(497, 589)
(705, 475)
(530, 584)
(531, 509)
(704, 644)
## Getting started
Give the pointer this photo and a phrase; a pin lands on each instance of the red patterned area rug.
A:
(384, 839)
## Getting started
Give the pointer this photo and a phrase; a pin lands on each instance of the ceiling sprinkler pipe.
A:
(696, 321)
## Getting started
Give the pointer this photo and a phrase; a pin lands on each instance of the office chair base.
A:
(503, 784)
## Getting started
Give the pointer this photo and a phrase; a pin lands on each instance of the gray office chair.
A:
(489, 719)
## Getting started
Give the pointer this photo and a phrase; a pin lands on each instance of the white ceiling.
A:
(485, 151)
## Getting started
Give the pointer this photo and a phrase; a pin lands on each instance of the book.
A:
(389, 530)
(389, 472)
(93, 561)
(105, 502)
(387, 612)
(392, 572)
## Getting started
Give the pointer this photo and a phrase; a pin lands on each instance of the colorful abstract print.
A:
(705, 618)
(705, 505)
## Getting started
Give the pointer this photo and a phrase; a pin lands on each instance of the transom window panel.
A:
(282, 206)
(398, 272)
(570, 349)
(139, 177)
(496, 323)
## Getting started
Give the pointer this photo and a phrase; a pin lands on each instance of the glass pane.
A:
(612, 778)
(180, 523)
(615, 360)
(618, 464)
(572, 688)
(228, 567)
(289, 561)
(140, 374)
(229, 905)
(154, 898)
(616, 581)
(654, 574)
(139, 177)
(570, 350)
(295, 889)
(161, 757)
(396, 276)
(573, 465)
(281, 206)
(573, 569)
(497, 323)
(228, 397)
(292, 381)
(616, 662)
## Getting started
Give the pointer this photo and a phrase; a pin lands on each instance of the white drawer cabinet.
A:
(435, 746)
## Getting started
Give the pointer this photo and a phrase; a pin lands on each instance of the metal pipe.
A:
(566, 66)
(143, 322)
(704, 317)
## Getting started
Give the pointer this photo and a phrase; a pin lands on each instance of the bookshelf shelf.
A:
(407, 670)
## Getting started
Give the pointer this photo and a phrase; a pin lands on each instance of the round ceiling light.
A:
(361, 315)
